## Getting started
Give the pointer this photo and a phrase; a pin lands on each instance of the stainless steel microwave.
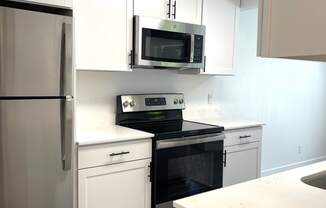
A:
(167, 44)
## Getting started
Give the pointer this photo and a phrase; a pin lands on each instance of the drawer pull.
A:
(245, 136)
(120, 153)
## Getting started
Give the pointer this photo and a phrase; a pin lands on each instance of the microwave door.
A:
(167, 44)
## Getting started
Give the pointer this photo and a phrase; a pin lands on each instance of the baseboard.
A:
(291, 166)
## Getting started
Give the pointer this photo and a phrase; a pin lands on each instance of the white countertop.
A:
(109, 134)
(282, 190)
(229, 124)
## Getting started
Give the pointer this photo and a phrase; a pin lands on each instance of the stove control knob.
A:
(132, 103)
(125, 103)
(175, 101)
(181, 101)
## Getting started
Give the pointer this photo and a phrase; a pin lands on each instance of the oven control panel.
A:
(151, 102)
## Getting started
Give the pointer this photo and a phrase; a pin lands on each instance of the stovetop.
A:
(175, 128)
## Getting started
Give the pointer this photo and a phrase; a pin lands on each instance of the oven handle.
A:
(170, 143)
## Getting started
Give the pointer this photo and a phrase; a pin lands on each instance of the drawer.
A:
(242, 136)
(106, 154)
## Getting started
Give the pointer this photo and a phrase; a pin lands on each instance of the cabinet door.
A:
(221, 20)
(189, 11)
(123, 185)
(103, 34)
(241, 166)
(292, 29)
(153, 8)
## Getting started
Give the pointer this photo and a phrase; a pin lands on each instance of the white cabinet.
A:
(153, 8)
(293, 29)
(221, 18)
(242, 164)
(103, 34)
(122, 185)
(189, 11)
(115, 175)
(61, 3)
(242, 155)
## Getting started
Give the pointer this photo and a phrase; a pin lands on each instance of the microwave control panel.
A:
(198, 49)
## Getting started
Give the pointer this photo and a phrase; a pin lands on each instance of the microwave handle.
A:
(192, 48)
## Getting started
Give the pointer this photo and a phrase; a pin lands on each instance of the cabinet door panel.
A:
(152, 8)
(121, 185)
(241, 166)
(221, 20)
(103, 34)
(292, 29)
(189, 11)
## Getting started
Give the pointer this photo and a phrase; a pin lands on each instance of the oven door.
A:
(188, 166)
(167, 44)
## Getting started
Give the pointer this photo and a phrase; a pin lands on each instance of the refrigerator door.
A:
(35, 153)
(35, 53)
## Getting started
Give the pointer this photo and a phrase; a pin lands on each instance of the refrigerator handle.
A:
(66, 132)
(66, 71)
(66, 89)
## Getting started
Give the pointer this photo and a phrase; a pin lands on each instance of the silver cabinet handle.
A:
(169, 9)
(175, 9)
(120, 153)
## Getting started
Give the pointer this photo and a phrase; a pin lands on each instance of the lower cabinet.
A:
(242, 164)
(122, 185)
(242, 156)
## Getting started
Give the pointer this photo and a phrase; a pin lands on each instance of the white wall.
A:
(290, 96)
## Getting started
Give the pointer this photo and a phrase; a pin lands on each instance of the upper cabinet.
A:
(61, 3)
(103, 34)
(221, 18)
(153, 8)
(293, 29)
(189, 11)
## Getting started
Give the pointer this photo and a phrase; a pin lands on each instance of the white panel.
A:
(103, 34)
(152, 8)
(241, 166)
(221, 20)
(90, 156)
(243, 136)
(123, 185)
(189, 11)
(293, 28)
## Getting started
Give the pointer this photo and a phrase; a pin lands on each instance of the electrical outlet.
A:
(300, 149)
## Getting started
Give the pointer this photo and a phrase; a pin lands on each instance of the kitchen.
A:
(275, 105)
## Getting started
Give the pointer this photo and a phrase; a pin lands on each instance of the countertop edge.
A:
(109, 141)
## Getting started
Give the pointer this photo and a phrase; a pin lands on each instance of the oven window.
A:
(165, 46)
(188, 170)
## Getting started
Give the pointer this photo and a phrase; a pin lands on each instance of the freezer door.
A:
(32, 153)
(35, 53)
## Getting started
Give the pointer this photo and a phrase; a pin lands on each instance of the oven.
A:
(187, 166)
(167, 44)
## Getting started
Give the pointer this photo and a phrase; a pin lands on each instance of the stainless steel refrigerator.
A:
(36, 106)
